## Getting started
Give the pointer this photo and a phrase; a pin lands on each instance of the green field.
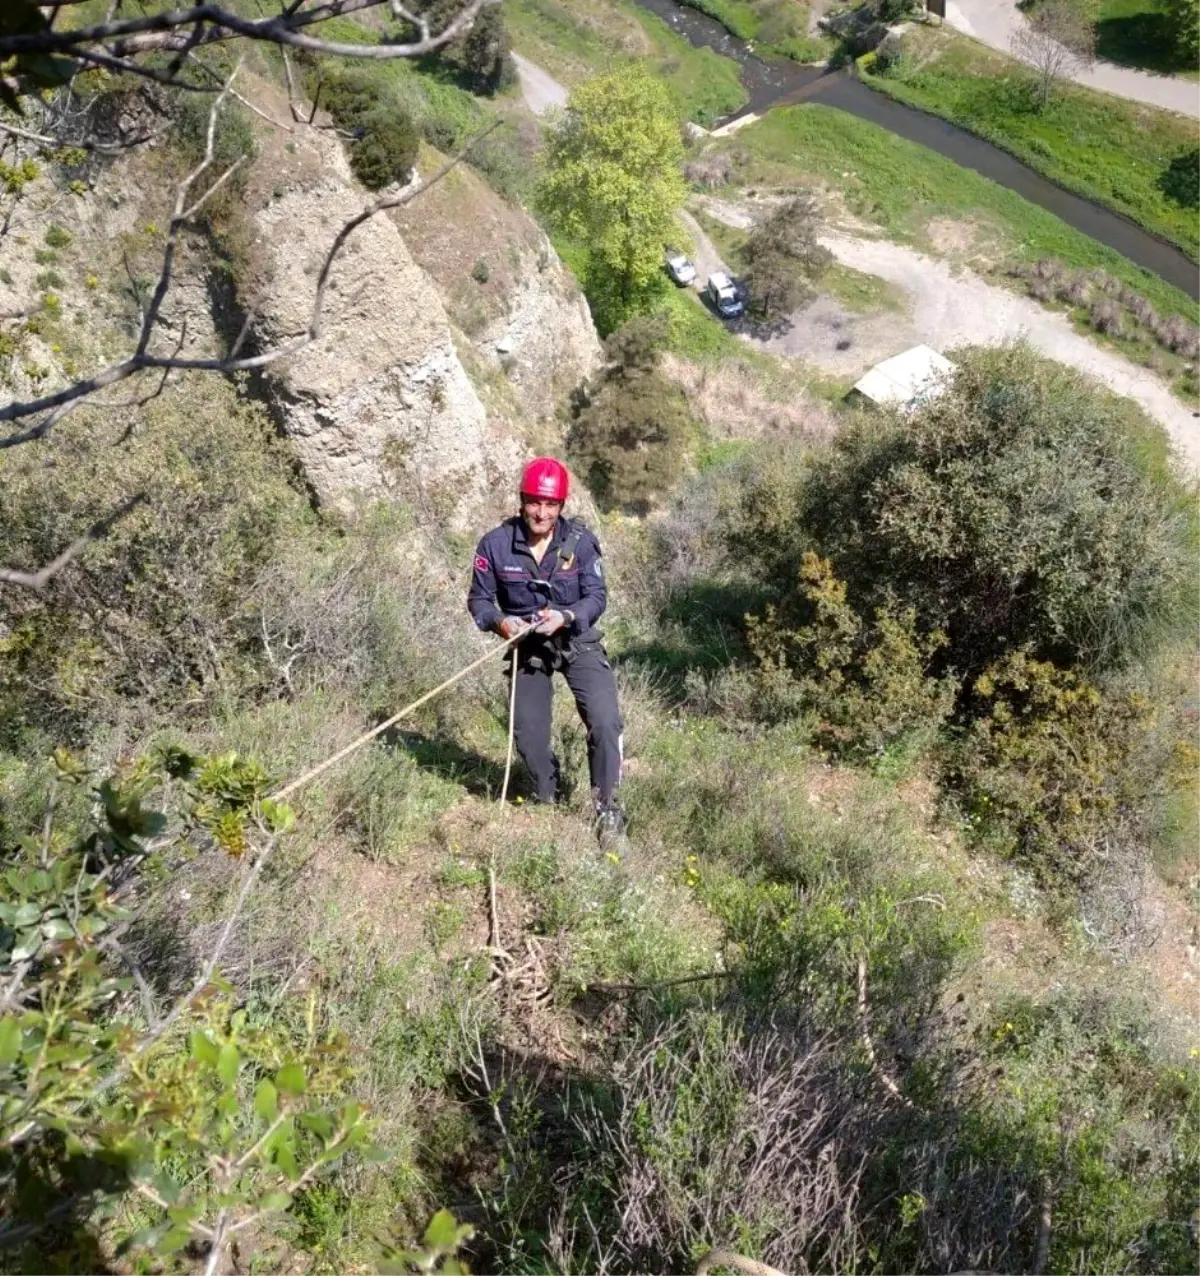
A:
(901, 186)
(573, 39)
(1136, 159)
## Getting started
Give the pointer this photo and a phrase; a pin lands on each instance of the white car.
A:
(680, 269)
(724, 295)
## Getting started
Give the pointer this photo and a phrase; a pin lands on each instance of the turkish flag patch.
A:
(481, 563)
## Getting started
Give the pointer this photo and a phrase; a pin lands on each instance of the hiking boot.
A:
(610, 826)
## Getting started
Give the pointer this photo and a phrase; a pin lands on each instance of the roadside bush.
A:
(628, 439)
(1021, 509)
(487, 53)
(783, 258)
(1183, 17)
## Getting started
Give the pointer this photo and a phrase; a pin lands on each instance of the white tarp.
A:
(905, 380)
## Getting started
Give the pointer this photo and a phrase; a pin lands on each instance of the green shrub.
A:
(481, 272)
(160, 610)
(1183, 17)
(1051, 766)
(233, 140)
(1022, 508)
(57, 237)
(384, 140)
(628, 440)
(868, 685)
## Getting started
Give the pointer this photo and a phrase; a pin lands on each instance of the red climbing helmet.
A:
(546, 479)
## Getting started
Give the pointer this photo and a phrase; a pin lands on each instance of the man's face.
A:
(540, 515)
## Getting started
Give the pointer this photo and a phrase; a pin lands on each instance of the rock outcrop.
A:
(381, 399)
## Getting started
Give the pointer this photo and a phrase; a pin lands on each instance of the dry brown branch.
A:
(39, 579)
(117, 43)
(868, 1044)
(727, 1258)
(144, 358)
(1042, 1253)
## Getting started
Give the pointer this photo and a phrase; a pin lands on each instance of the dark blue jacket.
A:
(507, 581)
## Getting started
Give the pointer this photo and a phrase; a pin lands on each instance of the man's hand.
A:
(511, 626)
(551, 621)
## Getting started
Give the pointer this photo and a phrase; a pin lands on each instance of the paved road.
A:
(541, 91)
(946, 309)
(993, 22)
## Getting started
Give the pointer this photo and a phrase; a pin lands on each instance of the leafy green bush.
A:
(628, 439)
(1051, 766)
(1183, 17)
(384, 140)
(868, 685)
(1021, 508)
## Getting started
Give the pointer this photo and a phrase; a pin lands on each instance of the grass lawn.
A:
(1136, 159)
(574, 39)
(901, 187)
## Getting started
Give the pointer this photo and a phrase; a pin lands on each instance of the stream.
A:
(777, 82)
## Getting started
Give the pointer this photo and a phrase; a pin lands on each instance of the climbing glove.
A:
(511, 626)
(551, 621)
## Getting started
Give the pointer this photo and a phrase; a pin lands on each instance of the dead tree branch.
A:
(39, 579)
(117, 43)
(56, 404)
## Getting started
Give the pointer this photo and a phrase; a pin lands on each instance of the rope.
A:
(512, 720)
(354, 745)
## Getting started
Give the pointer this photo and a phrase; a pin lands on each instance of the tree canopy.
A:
(612, 179)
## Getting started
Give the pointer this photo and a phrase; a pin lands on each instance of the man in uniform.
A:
(541, 575)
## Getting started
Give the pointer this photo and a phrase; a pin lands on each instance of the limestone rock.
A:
(381, 399)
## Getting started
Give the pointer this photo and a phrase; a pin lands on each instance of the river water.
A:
(778, 82)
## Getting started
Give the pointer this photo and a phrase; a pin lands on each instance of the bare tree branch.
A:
(206, 24)
(39, 579)
(143, 358)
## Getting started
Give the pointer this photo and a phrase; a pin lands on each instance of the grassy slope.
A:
(1136, 33)
(1110, 150)
(901, 186)
(573, 39)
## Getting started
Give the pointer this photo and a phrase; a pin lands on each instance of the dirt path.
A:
(541, 91)
(705, 258)
(993, 23)
(948, 309)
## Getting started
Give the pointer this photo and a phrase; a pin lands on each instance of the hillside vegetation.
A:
(892, 975)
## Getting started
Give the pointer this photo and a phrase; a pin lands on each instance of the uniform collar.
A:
(521, 540)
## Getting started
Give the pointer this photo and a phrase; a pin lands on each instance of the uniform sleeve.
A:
(593, 592)
(481, 597)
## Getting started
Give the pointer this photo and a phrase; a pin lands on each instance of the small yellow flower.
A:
(612, 857)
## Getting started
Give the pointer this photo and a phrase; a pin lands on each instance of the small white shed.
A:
(905, 380)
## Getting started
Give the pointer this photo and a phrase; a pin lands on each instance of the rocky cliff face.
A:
(381, 400)
(425, 381)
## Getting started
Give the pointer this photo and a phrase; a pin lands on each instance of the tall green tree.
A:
(612, 179)
(783, 257)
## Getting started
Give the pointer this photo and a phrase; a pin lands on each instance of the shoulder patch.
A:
(482, 564)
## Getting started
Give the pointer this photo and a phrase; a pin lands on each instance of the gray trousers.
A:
(590, 677)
